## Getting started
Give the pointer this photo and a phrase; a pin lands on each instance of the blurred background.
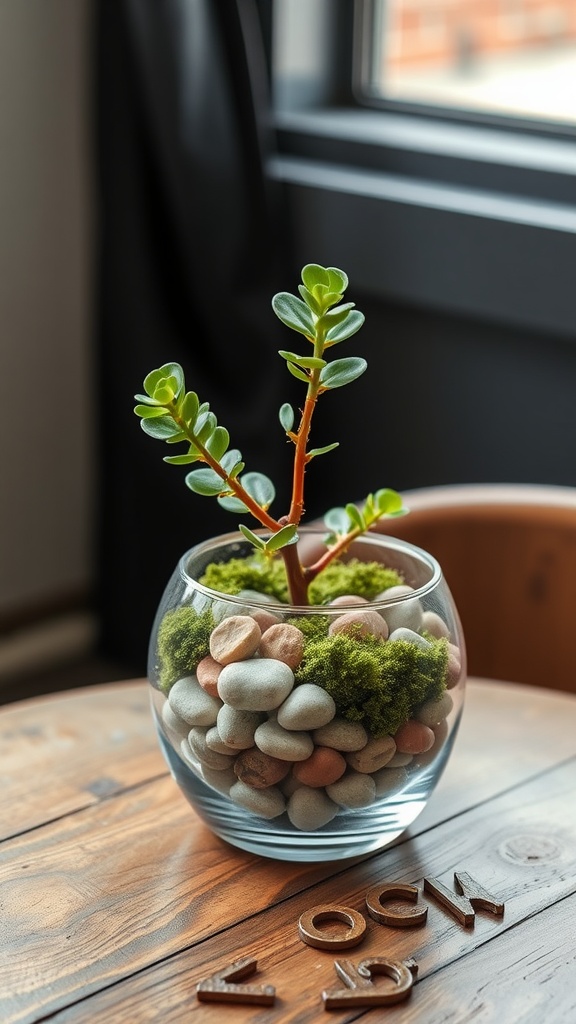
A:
(165, 169)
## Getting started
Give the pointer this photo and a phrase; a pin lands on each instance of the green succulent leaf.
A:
(259, 487)
(342, 371)
(337, 520)
(308, 362)
(190, 407)
(322, 451)
(356, 516)
(310, 300)
(148, 412)
(207, 428)
(161, 427)
(346, 328)
(176, 438)
(337, 279)
(148, 401)
(286, 416)
(182, 460)
(252, 537)
(287, 535)
(332, 317)
(230, 461)
(294, 313)
(296, 372)
(205, 481)
(218, 442)
(313, 275)
(232, 504)
(388, 502)
(174, 370)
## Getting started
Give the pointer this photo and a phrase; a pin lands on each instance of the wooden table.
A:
(115, 900)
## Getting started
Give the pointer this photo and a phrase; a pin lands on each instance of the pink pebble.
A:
(414, 737)
(207, 675)
(235, 639)
(265, 619)
(324, 766)
(284, 643)
(454, 666)
(360, 623)
(347, 599)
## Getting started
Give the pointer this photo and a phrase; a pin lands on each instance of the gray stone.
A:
(260, 684)
(307, 707)
(288, 745)
(191, 703)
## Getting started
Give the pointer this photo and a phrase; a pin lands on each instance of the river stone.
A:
(410, 637)
(342, 735)
(267, 803)
(406, 613)
(433, 623)
(260, 770)
(289, 745)
(222, 781)
(324, 766)
(355, 789)
(235, 639)
(414, 737)
(435, 711)
(359, 623)
(207, 673)
(389, 780)
(283, 642)
(237, 728)
(190, 702)
(215, 742)
(309, 809)
(308, 706)
(261, 684)
(174, 725)
(373, 756)
(211, 758)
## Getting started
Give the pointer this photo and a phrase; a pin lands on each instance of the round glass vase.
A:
(311, 733)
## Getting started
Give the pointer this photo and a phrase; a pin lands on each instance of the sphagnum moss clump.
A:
(364, 579)
(378, 683)
(183, 640)
(252, 573)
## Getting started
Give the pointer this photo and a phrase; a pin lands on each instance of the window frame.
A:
(469, 216)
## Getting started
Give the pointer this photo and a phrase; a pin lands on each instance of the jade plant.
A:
(174, 415)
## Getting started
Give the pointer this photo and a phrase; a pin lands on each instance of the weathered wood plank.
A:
(123, 913)
(67, 751)
(528, 974)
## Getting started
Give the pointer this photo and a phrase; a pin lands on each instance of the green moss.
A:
(312, 627)
(379, 683)
(267, 577)
(366, 579)
(183, 640)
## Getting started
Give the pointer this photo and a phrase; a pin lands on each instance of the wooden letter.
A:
(462, 907)
(217, 988)
(360, 990)
(312, 935)
(406, 918)
(479, 897)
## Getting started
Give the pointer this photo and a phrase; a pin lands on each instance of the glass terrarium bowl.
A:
(311, 733)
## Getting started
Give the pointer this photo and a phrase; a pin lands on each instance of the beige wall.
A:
(45, 420)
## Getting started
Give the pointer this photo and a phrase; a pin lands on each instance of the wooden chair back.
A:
(509, 556)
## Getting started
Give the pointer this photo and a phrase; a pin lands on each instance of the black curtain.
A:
(191, 246)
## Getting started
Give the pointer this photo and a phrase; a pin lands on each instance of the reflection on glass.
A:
(505, 56)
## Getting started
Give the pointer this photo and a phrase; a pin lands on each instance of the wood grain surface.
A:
(115, 900)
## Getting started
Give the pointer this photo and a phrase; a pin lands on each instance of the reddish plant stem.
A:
(300, 458)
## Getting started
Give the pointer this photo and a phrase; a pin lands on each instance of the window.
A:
(467, 216)
(511, 57)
